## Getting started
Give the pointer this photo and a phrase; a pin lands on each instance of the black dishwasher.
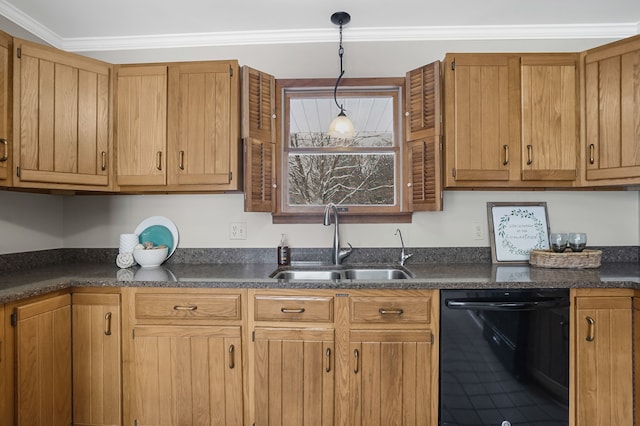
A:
(504, 357)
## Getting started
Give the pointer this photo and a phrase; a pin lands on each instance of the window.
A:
(361, 175)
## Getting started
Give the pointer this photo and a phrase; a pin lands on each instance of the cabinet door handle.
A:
(181, 160)
(591, 330)
(107, 324)
(232, 357)
(185, 307)
(5, 156)
(592, 152)
(292, 311)
(159, 160)
(356, 356)
(529, 154)
(327, 355)
(506, 155)
(384, 311)
(103, 166)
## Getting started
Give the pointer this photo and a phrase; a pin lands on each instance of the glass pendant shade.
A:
(341, 127)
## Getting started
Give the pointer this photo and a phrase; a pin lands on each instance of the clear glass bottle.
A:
(284, 254)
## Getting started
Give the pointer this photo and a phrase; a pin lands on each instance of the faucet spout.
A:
(337, 253)
(403, 256)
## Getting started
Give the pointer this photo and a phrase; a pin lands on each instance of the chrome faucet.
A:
(403, 256)
(338, 254)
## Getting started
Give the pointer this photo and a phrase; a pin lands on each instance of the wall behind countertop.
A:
(31, 222)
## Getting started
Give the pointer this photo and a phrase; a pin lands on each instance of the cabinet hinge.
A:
(230, 71)
(14, 319)
(453, 65)
(18, 171)
(454, 172)
(19, 53)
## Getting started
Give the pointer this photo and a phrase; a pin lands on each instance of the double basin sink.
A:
(344, 272)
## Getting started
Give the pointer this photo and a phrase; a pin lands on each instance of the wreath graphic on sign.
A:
(523, 214)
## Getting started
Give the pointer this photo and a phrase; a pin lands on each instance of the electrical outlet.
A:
(477, 231)
(238, 231)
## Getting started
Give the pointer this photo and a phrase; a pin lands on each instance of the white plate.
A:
(162, 221)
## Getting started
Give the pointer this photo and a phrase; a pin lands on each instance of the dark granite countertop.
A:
(21, 284)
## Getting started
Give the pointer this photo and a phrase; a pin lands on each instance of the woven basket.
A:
(568, 259)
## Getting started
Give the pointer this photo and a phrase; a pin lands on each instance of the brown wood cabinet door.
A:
(423, 175)
(43, 362)
(187, 375)
(482, 104)
(141, 125)
(550, 132)
(259, 136)
(96, 359)
(612, 100)
(61, 118)
(604, 342)
(203, 125)
(294, 377)
(6, 88)
(390, 378)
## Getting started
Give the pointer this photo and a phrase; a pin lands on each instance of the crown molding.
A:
(380, 34)
(238, 38)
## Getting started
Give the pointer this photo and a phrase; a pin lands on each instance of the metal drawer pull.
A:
(185, 307)
(103, 166)
(5, 157)
(107, 324)
(356, 355)
(232, 357)
(506, 155)
(384, 311)
(159, 160)
(592, 325)
(592, 149)
(292, 311)
(181, 161)
(328, 359)
(529, 155)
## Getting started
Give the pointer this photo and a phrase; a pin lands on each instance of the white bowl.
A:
(150, 258)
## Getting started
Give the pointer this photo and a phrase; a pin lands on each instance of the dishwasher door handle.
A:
(503, 305)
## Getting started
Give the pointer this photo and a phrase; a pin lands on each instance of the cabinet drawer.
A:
(175, 306)
(293, 308)
(390, 309)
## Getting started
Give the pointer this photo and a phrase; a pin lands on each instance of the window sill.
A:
(315, 218)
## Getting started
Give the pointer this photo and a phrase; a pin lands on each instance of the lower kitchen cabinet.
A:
(184, 357)
(603, 357)
(43, 361)
(6, 411)
(97, 364)
(293, 357)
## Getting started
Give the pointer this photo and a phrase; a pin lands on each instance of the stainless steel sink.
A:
(376, 274)
(373, 273)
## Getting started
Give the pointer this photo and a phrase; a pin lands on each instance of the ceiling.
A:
(80, 25)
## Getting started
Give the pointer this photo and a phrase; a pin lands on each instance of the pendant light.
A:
(341, 127)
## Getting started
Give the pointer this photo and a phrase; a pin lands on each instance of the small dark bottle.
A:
(284, 254)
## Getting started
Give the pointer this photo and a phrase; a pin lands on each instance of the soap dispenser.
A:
(284, 254)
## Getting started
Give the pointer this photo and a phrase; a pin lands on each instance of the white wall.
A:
(32, 221)
(608, 217)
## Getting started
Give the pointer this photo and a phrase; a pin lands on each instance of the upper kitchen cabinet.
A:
(423, 138)
(511, 120)
(5, 108)
(612, 105)
(61, 119)
(259, 136)
(178, 127)
(141, 125)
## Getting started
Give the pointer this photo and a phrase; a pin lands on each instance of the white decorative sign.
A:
(516, 229)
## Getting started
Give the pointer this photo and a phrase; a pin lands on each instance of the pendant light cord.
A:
(335, 89)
